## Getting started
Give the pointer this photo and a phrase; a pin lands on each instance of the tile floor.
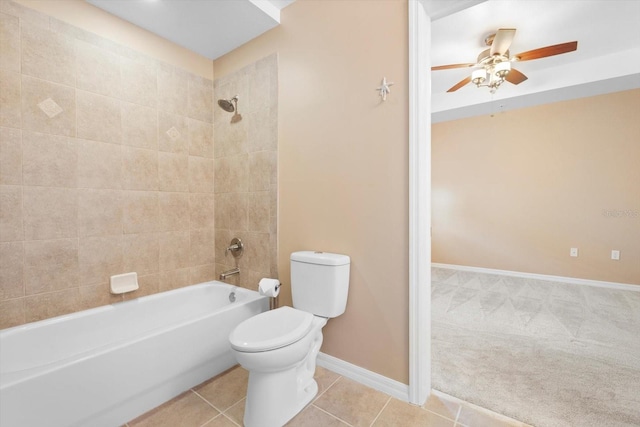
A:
(219, 402)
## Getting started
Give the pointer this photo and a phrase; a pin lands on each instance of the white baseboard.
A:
(363, 376)
(586, 282)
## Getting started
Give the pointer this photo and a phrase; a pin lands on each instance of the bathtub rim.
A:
(11, 378)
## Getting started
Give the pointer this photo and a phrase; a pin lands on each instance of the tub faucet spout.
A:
(228, 273)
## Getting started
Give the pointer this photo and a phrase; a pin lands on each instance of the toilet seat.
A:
(271, 330)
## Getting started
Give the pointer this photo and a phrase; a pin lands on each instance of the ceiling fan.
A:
(493, 65)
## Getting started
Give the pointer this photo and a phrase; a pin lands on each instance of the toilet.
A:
(279, 347)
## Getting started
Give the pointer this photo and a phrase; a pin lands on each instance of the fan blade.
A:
(450, 66)
(543, 52)
(502, 41)
(460, 84)
(515, 77)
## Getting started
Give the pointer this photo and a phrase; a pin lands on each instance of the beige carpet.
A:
(546, 353)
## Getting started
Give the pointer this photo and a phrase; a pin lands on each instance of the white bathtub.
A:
(105, 366)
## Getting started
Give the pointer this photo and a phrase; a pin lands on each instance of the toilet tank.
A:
(320, 282)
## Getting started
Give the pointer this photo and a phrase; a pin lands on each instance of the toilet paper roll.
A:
(269, 287)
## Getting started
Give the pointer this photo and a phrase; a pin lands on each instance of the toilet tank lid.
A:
(322, 258)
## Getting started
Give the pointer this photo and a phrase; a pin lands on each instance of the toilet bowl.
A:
(279, 348)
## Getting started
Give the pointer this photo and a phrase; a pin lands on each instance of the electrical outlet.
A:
(573, 252)
(615, 255)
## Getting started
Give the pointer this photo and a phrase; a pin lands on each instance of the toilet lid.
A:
(270, 330)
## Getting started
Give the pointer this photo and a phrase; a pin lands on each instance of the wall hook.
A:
(384, 88)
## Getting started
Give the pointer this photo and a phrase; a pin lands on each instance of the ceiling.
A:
(607, 59)
(607, 31)
(208, 27)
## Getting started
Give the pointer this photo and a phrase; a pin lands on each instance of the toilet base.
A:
(270, 402)
(274, 397)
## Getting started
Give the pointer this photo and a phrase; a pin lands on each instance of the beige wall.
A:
(110, 28)
(246, 172)
(517, 190)
(343, 163)
(116, 176)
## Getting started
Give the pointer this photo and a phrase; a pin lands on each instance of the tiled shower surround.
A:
(245, 170)
(107, 166)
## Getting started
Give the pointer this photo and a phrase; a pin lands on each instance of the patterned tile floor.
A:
(547, 353)
(219, 402)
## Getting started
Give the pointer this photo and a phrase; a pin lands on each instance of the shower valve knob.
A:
(235, 247)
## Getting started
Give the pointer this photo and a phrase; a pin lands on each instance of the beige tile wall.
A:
(246, 172)
(106, 167)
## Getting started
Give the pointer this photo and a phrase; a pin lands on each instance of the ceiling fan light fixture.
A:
(501, 69)
(479, 76)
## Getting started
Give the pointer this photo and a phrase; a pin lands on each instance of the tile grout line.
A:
(458, 414)
(229, 408)
(437, 414)
(325, 390)
(330, 414)
(380, 412)
(210, 419)
(455, 422)
(220, 413)
(229, 418)
(209, 403)
(478, 410)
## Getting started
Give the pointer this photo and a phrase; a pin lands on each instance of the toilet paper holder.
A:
(274, 302)
(270, 288)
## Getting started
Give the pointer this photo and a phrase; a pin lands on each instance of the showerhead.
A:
(228, 105)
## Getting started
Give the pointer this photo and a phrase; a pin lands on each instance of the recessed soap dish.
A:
(122, 283)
